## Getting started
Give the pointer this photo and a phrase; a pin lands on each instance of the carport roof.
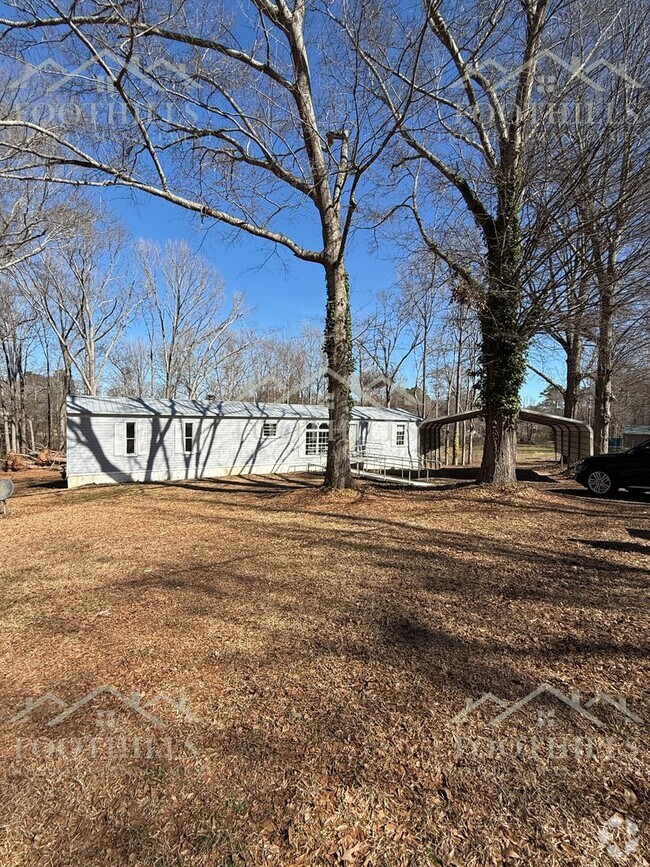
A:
(575, 440)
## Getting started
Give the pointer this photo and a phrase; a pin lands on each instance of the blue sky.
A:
(283, 291)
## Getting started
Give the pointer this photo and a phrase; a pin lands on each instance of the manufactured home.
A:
(124, 439)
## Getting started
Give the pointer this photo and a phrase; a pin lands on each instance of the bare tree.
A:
(453, 364)
(388, 336)
(476, 145)
(80, 290)
(569, 295)
(256, 118)
(133, 373)
(32, 216)
(33, 213)
(598, 246)
(424, 278)
(283, 367)
(231, 380)
(186, 316)
(17, 339)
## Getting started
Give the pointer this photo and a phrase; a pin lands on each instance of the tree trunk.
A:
(500, 449)
(573, 375)
(503, 352)
(7, 437)
(63, 412)
(605, 353)
(48, 400)
(22, 416)
(338, 348)
(425, 349)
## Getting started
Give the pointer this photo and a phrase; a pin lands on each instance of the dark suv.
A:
(603, 475)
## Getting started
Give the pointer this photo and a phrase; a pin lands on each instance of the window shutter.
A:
(119, 433)
(141, 433)
(178, 436)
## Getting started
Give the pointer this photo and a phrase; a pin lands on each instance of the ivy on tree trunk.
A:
(338, 349)
(503, 351)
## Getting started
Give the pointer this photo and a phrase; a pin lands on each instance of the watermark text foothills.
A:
(108, 742)
(112, 748)
(561, 749)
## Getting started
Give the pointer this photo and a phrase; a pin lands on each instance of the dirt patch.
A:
(252, 671)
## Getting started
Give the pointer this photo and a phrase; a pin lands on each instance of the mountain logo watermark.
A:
(587, 710)
(111, 738)
(604, 716)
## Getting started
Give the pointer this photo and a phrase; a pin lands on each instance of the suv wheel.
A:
(601, 483)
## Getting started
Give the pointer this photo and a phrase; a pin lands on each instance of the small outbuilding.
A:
(124, 439)
(635, 434)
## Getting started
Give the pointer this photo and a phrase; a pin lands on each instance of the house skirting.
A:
(78, 480)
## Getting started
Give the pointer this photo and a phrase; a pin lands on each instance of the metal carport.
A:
(573, 439)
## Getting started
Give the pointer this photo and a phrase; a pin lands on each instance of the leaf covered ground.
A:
(299, 661)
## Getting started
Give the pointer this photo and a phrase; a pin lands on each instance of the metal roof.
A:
(139, 406)
(637, 429)
(575, 440)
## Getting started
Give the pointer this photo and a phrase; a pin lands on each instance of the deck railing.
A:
(363, 460)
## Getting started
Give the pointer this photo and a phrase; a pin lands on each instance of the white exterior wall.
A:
(222, 446)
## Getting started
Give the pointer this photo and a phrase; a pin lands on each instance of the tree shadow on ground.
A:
(581, 493)
(24, 485)
(256, 485)
(638, 532)
(524, 474)
(610, 545)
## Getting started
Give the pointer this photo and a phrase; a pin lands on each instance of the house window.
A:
(188, 436)
(400, 436)
(129, 438)
(270, 429)
(316, 438)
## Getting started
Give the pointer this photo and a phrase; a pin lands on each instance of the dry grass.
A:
(325, 642)
(527, 453)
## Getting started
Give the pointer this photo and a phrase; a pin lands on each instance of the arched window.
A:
(316, 438)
